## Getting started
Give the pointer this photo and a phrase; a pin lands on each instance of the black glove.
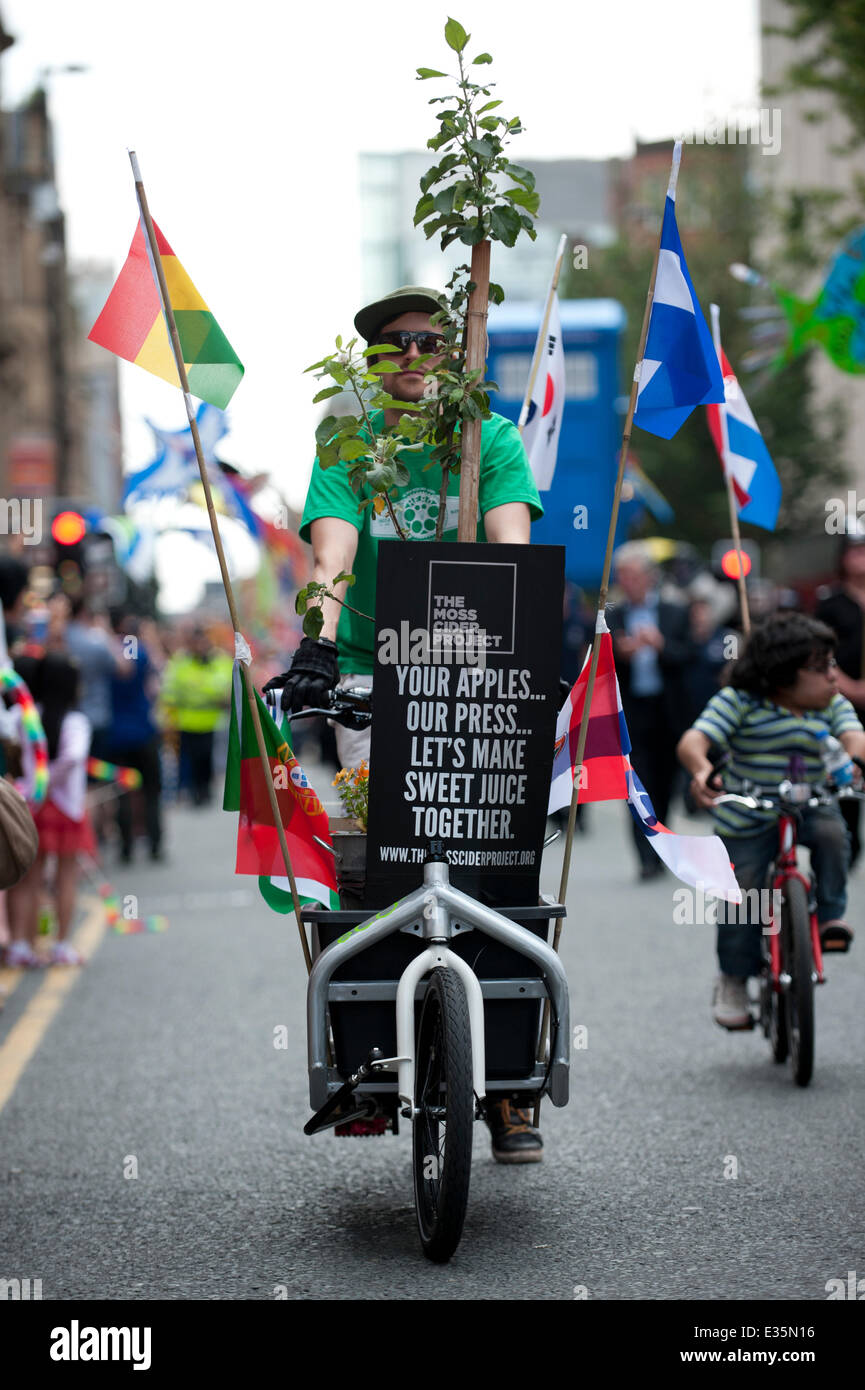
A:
(314, 673)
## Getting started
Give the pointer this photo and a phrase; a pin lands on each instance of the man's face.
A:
(407, 384)
(634, 580)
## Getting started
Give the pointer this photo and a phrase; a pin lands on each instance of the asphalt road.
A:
(153, 1146)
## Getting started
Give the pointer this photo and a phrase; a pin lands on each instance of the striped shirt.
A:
(761, 738)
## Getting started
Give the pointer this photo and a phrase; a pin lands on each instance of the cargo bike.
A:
(424, 1010)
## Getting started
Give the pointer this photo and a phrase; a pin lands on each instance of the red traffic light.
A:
(730, 564)
(68, 528)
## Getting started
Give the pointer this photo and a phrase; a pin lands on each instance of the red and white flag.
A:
(543, 411)
(607, 774)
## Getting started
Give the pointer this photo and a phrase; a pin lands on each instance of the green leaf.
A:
(520, 175)
(505, 224)
(328, 455)
(497, 294)
(328, 391)
(524, 198)
(313, 623)
(375, 348)
(429, 72)
(444, 201)
(472, 232)
(300, 602)
(484, 147)
(489, 123)
(325, 428)
(378, 368)
(456, 36)
(489, 106)
(344, 577)
(425, 205)
(353, 449)
(484, 58)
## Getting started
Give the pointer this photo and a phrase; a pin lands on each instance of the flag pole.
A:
(725, 459)
(600, 621)
(476, 360)
(241, 649)
(539, 346)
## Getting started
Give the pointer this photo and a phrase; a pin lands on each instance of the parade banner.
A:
(465, 700)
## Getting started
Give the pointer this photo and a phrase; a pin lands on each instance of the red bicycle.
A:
(792, 951)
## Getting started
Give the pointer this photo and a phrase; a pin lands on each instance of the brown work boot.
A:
(515, 1140)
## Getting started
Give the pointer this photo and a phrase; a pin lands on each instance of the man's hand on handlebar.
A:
(313, 674)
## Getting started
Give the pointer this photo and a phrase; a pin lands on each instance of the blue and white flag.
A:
(680, 368)
(175, 467)
(746, 461)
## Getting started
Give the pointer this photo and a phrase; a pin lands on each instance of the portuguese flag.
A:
(132, 325)
(302, 814)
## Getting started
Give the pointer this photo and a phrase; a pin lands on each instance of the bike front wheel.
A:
(444, 1115)
(798, 963)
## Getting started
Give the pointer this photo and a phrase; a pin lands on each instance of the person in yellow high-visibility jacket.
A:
(196, 692)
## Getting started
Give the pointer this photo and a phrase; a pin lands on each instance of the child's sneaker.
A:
(21, 956)
(64, 954)
(730, 1006)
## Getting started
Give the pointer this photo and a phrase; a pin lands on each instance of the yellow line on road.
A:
(24, 1038)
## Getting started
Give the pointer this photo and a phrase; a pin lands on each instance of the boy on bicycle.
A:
(781, 698)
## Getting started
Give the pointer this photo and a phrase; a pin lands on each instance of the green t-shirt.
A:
(505, 476)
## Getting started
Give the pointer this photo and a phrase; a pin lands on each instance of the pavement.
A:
(151, 1118)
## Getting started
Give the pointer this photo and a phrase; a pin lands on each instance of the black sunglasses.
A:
(402, 337)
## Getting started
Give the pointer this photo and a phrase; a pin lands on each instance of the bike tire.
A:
(444, 1104)
(799, 965)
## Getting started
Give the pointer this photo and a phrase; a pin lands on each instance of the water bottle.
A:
(836, 761)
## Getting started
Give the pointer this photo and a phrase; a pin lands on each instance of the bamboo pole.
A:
(600, 621)
(476, 357)
(242, 653)
(731, 499)
(539, 346)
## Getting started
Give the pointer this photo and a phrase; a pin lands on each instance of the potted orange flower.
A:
(348, 833)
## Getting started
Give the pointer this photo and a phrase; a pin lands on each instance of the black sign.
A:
(468, 641)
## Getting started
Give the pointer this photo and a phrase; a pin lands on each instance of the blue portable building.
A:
(591, 433)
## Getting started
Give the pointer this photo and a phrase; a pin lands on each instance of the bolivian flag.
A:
(132, 325)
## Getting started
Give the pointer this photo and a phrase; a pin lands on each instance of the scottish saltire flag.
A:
(543, 422)
(603, 774)
(132, 324)
(699, 860)
(756, 485)
(175, 467)
(680, 368)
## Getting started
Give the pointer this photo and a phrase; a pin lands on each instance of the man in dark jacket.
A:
(652, 645)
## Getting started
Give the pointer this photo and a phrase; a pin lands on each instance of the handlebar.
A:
(789, 795)
(347, 705)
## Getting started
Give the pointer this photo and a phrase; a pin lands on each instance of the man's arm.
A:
(854, 743)
(510, 523)
(334, 546)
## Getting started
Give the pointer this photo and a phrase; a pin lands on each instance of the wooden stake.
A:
(539, 346)
(731, 497)
(600, 621)
(476, 357)
(241, 648)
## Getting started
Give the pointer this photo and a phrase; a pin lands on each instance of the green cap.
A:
(369, 320)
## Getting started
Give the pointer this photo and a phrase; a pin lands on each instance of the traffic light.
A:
(725, 560)
(68, 532)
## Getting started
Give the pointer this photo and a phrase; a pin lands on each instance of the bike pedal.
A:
(379, 1124)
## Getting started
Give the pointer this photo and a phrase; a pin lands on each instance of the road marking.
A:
(26, 1035)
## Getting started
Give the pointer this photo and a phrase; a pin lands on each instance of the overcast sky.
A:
(248, 118)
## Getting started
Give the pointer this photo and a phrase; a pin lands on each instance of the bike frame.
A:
(435, 910)
(787, 867)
